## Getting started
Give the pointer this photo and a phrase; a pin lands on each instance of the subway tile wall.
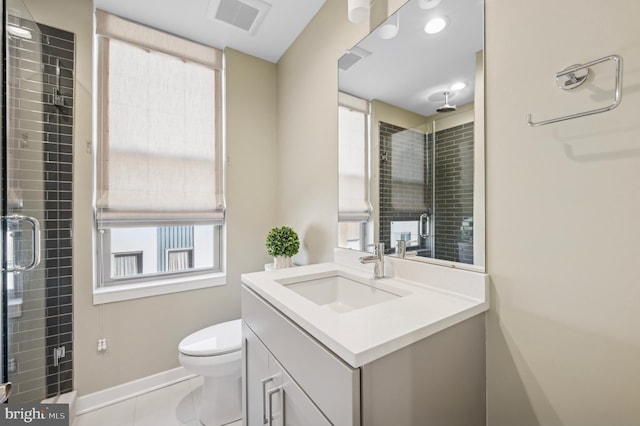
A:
(453, 223)
(40, 162)
(408, 182)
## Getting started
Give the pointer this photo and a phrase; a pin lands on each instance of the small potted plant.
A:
(282, 244)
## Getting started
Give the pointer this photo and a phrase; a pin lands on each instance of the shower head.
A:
(446, 107)
(20, 32)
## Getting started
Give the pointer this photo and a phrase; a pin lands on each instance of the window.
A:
(354, 208)
(159, 202)
(179, 259)
(126, 264)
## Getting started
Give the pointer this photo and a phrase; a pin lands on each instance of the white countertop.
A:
(442, 298)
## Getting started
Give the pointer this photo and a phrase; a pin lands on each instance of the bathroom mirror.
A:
(411, 135)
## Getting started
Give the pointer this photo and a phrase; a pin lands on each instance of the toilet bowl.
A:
(215, 353)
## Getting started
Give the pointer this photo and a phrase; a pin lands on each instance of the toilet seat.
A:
(215, 340)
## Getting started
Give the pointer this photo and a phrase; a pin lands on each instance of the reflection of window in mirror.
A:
(354, 207)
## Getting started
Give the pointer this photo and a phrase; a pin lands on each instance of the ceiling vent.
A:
(246, 15)
(352, 56)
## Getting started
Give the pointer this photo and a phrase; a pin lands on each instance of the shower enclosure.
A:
(36, 279)
(426, 189)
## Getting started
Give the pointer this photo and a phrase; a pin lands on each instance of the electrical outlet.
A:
(102, 345)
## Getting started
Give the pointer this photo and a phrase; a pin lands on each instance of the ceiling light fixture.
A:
(390, 28)
(358, 10)
(436, 25)
(428, 4)
(458, 86)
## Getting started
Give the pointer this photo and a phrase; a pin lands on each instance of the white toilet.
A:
(215, 353)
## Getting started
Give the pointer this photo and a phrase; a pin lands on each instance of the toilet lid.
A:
(215, 340)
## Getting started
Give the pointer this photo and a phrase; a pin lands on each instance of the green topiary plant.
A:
(282, 242)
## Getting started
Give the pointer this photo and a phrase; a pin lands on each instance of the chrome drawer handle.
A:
(264, 397)
(270, 394)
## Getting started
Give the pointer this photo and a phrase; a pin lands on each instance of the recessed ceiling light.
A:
(436, 25)
(390, 28)
(458, 86)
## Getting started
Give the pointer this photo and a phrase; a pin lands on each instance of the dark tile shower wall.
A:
(405, 187)
(453, 224)
(451, 205)
(42, 136)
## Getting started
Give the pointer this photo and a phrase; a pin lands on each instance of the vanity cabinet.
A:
(271, 392)
(290, 378)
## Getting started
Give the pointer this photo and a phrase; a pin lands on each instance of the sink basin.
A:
(339, 292)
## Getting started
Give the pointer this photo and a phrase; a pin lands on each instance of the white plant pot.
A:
(281, 262)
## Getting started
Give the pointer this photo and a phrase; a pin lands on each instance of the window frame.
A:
(105, 288)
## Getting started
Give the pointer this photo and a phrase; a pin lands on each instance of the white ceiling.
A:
(411, 70)
(282, 24)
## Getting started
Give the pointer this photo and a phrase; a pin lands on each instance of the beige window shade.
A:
(114, 27)
(160, 150)
(353, 202)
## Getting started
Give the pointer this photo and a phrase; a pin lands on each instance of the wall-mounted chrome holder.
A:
(576, 75)
(58, 99)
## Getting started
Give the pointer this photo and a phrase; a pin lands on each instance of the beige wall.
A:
(563, 340)
(308, 129)
(143, 334)
(562, 204)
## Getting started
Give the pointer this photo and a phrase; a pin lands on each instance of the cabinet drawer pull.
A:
(270, 394)
(264, 397)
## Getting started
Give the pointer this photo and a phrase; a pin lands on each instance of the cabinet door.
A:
(261, 377)
(298, 408)
(332, 385)
(272, 397)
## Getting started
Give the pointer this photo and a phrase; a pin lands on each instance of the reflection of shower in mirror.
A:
(446, 107)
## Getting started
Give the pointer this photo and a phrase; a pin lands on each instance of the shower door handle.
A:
(35, 243)
(424, 231)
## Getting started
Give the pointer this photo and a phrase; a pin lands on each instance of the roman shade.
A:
(353, 158)
(159, 158)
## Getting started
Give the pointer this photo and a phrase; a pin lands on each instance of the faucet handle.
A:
(402, 247)
(378, 248)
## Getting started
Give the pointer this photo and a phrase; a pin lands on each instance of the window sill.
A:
(155, 288)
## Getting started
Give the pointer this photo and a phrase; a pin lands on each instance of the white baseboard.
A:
(129, 390)
(69, 398)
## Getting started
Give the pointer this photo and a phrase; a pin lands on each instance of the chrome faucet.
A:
(402, 248)
(378, 258)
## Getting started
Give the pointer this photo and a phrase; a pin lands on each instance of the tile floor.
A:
(175, 405)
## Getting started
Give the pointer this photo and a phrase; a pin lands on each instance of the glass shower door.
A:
(405, 189)
(24, 180)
